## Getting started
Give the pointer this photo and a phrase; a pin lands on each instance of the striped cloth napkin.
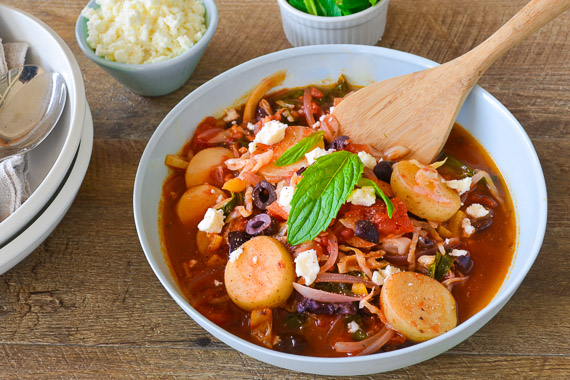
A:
(14, 186)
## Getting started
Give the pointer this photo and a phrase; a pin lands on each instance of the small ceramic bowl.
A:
(153, 79)
(365, 28)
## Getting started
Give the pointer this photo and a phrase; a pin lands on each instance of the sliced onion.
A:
(322, 296)
(307, 99)
(332, 247)
(344, 278)
(368, 345)
(490, 184)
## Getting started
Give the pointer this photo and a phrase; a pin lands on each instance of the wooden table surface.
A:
(86, 304)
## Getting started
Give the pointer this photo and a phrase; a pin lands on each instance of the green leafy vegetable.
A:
(332, 8)
(441, 265)
(297, 151)
(457, 167)
(295, 321)
(323, 189)
(235, 200)
(359, 335)
(380, 193)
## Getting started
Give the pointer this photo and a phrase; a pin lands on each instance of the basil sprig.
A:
(325, 186)
(297, 151)
(380, 193)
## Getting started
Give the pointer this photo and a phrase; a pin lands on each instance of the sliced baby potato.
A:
(200, 166)
(417, 306)
(261, 276)
(423, 191)
(194, 203)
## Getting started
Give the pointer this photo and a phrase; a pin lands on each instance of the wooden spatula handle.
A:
(534, 15)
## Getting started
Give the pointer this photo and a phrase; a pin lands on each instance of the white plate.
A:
(46, 221)
(50, 161)
(486, 119)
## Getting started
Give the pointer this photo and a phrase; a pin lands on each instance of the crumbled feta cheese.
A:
(316, 153)
(317, 124)
(331, 110)
(217, 283)
(252, 147)
(285, 197)
(476, 211)
(468, 229)
(235, 254)
(367, 159)
(231, 115)
(460, 185)
(271, 133)
(365, 196)
(377, 278)
(144, 31)
(307, 265)
(251, 127)
(213, 221)
(389, 270)
(353, 327)
(458, 252)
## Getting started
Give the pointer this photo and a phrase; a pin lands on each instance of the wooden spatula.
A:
(418, 110)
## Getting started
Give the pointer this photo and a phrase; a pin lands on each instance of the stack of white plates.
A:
(58, 165)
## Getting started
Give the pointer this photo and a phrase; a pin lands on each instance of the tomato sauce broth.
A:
(200, 277)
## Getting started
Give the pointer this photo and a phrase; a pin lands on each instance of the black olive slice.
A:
(259, 225)
(263, 195)
(367, 230)
(339, 143)
(383, 170)
(236, 239)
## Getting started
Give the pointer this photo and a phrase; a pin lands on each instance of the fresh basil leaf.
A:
(297, 151)
(323, 189)
(440, 266)
(368, 182)
(299, 4)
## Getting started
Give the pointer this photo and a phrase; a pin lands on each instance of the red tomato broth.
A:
(200, 276)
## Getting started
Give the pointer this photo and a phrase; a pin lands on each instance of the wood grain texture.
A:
(87, 305)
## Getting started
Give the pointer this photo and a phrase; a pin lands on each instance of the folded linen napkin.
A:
(14, 186)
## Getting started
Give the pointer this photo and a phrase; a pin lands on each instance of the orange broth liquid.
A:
(197, 274)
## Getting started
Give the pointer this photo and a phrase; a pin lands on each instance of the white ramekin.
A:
(366, 27)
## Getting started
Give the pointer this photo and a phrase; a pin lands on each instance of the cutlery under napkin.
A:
(14, 186)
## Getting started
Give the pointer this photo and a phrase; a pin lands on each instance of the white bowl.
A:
(366, 27)
(50, 161)
(45, 222)
(486, 119)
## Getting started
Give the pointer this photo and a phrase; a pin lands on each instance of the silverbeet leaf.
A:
(325, 186)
